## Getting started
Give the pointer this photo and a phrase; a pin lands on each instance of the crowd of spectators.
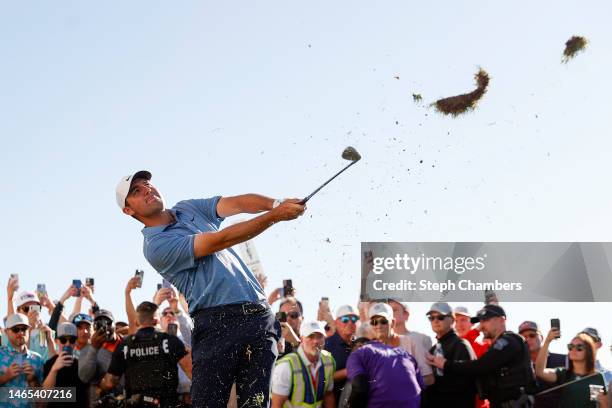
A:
(361, 355)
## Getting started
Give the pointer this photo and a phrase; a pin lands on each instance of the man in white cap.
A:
(340, 343)
(19, 367)
(305, 378)
(449, 389)
(382, 322)
(187, 247)
(41, 336)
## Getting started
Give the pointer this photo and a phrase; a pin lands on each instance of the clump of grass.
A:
(417, 97)
(573, 46)
(458, 104)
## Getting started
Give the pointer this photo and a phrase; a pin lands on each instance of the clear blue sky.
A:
(233, 97)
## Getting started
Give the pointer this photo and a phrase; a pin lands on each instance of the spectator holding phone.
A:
(95, 358)
(579, 378)
(292, 309)
(41, 335)
(594, 334)
(62, 370)
(57, 316)
(19, 366)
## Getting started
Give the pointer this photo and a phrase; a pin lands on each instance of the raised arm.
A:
(246, 203)
(130, 310)
(541, 371)
(210, 242)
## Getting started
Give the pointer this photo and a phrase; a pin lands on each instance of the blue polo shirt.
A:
(218, 279)
(8, 355)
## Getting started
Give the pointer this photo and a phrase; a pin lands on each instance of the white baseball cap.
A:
(25, 297)
(381, 309)
(17, 319)
(311, 327)
(441, 307)
(123, 187)
(345, 310)
(462, 310)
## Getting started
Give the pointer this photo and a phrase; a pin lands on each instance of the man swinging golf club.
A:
(235, 332)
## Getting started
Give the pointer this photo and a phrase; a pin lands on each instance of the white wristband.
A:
(276, 203)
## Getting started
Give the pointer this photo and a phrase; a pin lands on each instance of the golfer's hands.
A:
(289, 209)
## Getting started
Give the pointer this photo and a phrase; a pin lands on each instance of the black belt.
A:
(235, 309)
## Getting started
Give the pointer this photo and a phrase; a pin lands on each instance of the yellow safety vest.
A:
(302, 393)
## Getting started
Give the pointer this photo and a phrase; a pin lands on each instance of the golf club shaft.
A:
(305, 200)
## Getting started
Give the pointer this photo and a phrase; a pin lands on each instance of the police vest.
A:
(150, 367)
(302, 392)
(517, 375)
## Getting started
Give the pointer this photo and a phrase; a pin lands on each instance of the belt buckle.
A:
(250, 308)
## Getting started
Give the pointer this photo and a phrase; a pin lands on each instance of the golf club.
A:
(350, 153)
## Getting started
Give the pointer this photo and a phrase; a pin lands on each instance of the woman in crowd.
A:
(580, 379)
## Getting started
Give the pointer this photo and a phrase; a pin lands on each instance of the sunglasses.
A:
(578, 347)
(437, 317)
(168, 313)
(293, 315)
(16, 330)
(376, 322)
(531, 335)
(67, 339)
(346, 319)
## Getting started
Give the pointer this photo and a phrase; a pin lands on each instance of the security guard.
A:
(149, 361)
(305, 378)
(505, 369)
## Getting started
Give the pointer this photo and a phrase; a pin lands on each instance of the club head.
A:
(350, 153)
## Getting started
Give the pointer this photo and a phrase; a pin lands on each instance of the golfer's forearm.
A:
(208, 243)
(246, 203)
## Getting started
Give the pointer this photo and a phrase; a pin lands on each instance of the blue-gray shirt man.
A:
(235, 332)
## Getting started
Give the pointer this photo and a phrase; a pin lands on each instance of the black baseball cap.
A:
(487, 312)
(104, 313)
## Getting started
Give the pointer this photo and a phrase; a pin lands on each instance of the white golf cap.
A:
(25, 297)
(381, 309)
(17, 319)
(123, 187)
(311, 327)
(462, 310)
(441, 307)
(345, 310)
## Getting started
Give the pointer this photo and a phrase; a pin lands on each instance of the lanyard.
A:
(313, 381)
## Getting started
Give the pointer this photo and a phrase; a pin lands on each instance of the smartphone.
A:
(67, 350)
(35, 308)
(166, 284)
(159, 286)
(172, 329)
(77, 284)
(325, 302)
(41, 289)
(15, 277)
(281, 317)
(287, 287)
(90, 283)
(555, 324)
(140, 274)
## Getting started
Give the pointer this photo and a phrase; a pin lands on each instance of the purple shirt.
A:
(392, 373)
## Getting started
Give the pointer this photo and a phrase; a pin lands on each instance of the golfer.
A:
(235, 333)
